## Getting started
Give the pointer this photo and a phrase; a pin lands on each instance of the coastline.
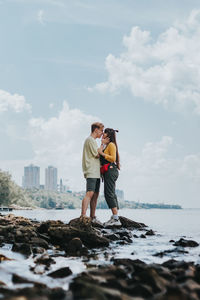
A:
(43, 244)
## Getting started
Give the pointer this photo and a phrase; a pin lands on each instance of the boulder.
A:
(186, 243)
(22, 248)
(89, 236)
(127, 223)
(61, 273)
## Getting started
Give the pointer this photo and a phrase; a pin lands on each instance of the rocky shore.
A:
(44, 243)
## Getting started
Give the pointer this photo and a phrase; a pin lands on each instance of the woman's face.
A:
(105, 140)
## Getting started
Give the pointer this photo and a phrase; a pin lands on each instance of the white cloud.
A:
(163, 71)
(14, 102)
(58, 141)
(40, 16)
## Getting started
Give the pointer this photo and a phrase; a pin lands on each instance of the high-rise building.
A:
(31, 178)
(51, 178)
(61, 186)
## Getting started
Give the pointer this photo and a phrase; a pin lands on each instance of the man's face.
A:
(99, 132)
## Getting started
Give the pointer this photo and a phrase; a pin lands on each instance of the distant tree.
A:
(51, 203)
(5, 179)
(11, 193)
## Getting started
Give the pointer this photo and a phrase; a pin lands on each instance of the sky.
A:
(133, 65)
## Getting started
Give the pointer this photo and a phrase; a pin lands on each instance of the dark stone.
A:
(61, 273)
(38, 250)
(151, 277)
(22, 248)
(176, 293)
(143, 236)
(45, 259)
(150, 232)
(88, 235)
(75, 244)
(44, 227)
(127, 223)
(4, 258)
(112, 236)
(18, 279)
(75, 248)
(39, 242)
(186, 243)
(170, 251)
(124, 233)
(141, 290)
(174, 264)
(38, 292)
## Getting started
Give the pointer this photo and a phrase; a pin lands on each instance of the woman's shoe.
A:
(113, 222)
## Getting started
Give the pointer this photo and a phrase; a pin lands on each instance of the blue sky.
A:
(134, 65)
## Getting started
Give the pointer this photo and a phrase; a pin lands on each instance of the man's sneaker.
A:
(113, 222)
(97, 223)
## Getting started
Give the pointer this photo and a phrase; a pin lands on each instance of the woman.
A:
(109, 158)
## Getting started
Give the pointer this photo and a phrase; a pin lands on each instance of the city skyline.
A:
(31, 178)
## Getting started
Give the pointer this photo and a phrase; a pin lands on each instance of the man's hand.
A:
(100, 150)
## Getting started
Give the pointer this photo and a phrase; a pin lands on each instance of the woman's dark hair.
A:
(111, 134)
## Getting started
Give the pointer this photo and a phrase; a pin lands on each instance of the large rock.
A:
(61, 273)
(127, 223)
(63, 234)
(186, 243)
(22, 248)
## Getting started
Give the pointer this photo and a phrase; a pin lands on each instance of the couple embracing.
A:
(101, 162)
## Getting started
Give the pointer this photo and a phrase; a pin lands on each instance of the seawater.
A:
(168, 224)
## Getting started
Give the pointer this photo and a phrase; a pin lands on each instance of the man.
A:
(91, 170)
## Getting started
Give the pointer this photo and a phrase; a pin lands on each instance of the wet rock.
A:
(186, 243)
(2, 283)
(82, 289)
(39, 269)
(39, 242)
(4, 258)
(112, 236)
(75, 248)
(75, 244)
(82, 223)
(143, 236)
(61, 273)
(150, 232)
(151, 277)
(19, 279)
(141, 290)
(127, 223)
(88, 235)
(1, 239)
(170, 251)
(45, 259)
(124, 233)
(22, 248)
(38, 292)
(175, 293)
(38, 250)
(122, 243)
(44, 226)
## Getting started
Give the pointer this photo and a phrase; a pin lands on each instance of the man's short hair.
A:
(96, 125)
